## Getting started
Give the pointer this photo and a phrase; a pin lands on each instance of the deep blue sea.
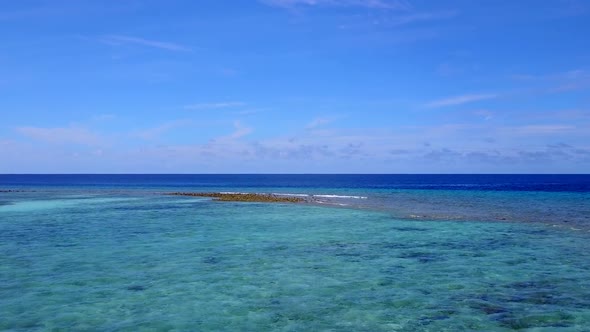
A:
(372, 253)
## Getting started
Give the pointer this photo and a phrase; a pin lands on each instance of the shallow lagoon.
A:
(152, 262)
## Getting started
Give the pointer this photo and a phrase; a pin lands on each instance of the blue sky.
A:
(294, 86)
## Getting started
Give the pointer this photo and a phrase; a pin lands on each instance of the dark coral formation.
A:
(244, 197)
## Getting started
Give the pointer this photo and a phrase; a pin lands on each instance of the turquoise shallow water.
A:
(133, 261)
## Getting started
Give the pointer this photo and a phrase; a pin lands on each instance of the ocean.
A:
(372, 253)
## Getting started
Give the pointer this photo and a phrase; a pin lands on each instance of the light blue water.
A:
(140, 261)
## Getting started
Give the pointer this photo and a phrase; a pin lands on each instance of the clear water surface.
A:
(379, 253)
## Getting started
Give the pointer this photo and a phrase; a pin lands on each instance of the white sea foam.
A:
(293, 195)
(340, 196)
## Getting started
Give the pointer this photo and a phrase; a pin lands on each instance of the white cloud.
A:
(121, 40)
(337, 150)
(460, 100)
(571, 80)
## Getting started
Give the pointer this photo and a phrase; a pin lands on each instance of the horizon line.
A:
(8, 174)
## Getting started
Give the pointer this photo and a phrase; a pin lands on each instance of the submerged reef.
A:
(244, 197)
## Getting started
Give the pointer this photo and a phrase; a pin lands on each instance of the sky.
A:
(294, 86)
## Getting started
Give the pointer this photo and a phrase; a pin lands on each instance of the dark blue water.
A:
(488, 182)
(562, 200)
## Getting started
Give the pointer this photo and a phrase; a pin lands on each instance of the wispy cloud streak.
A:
(152, 133)
(61, 135)
(120, 40)
(204, 106)
(542, 129)
(420, 17)
(460, 100)
(239, 131)
(374, 4)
